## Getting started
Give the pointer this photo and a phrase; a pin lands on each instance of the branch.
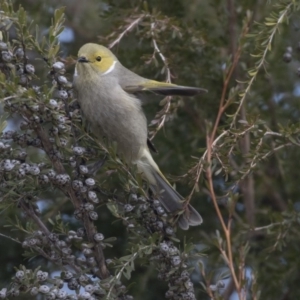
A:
(168, 99)
(157, 50)
(88, 224)
(210, 140)
(10, 238)
(127, 29)
(262, 60)
(27, 208)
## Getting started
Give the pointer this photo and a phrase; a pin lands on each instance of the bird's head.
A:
(95, 57)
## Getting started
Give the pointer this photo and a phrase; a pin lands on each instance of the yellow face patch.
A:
(102, 62)
(99, 57)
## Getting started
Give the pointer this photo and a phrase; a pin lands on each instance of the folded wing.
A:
(164, 88)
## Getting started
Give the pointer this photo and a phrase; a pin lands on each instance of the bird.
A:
(106, 92)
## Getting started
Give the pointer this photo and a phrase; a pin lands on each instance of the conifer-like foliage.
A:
(78, 223)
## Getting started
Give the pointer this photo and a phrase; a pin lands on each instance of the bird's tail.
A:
(171, 200)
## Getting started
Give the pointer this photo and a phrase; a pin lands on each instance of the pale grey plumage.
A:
(104, 89)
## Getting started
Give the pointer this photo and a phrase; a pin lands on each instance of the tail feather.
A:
(171, 200)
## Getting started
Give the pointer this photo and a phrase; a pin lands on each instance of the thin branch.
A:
(221, 219)
(199, 167)
(163, 118)
(124, 266)
(210, 140)
(168, 99)
(10, 238)
(157, 50)
(255, 159)
(127, 29)
(88, 224)
(27, 208)
(267, 226)
(261, 61)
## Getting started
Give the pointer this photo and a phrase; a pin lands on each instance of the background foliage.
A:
(233, 152)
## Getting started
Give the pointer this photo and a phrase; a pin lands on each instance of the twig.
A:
(157, 50)
(10, 238)
(119, 274)
(199, 167)
(168, 79)
(163, 118)
(27, 208)
(220, 217)
(254, 160)
(88, 224)
(207, 284)
(267, 226)
(8, 98)
(261, 61)
(127, 29)
(124, 167)
(210, 140)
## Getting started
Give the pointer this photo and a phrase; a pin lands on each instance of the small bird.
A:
(105, 91)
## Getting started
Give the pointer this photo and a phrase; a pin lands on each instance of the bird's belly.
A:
(121, 122)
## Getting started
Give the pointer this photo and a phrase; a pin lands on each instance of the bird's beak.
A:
(82, 59)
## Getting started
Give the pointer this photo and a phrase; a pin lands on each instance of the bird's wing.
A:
(164, 88)
(151, 146)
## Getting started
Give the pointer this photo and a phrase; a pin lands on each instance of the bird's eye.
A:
(98, 58)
